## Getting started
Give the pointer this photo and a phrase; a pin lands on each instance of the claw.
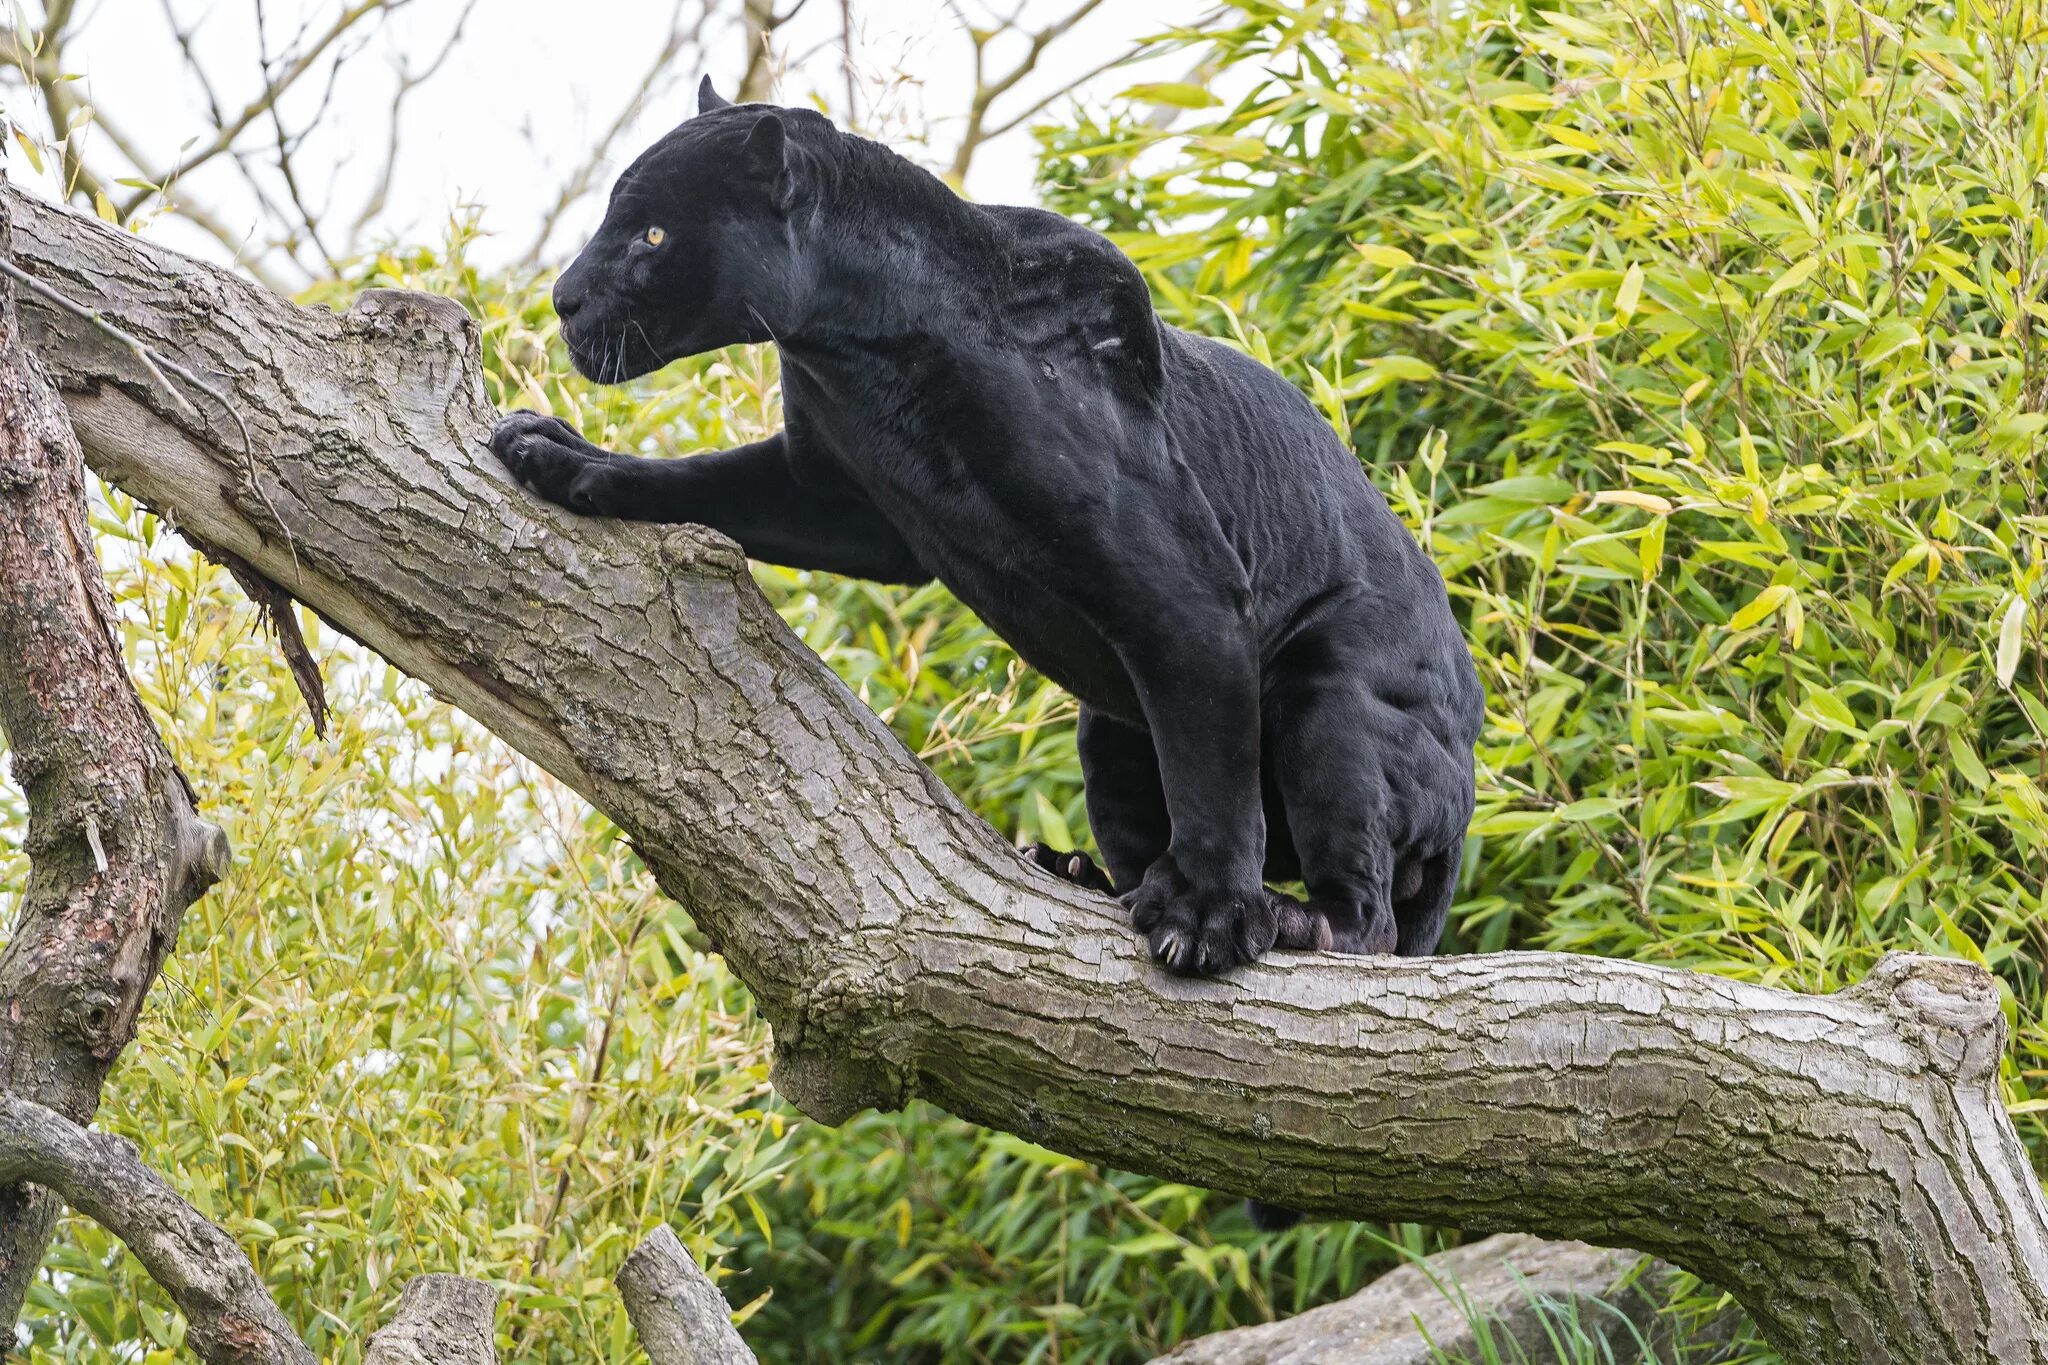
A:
(1302, 929)
(1197, 930)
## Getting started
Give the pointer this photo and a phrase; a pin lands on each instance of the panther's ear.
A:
(767, 158)
(709, 99)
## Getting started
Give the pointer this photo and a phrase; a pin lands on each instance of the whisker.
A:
(635, 324)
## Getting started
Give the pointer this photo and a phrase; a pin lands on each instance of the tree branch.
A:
(229, 1316)
(441, 1320)
(987, 91)
(681, 1317)
(1500, 1298)
(116, 849)
(1841, 1164)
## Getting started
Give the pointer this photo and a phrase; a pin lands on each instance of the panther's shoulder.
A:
(1068, 290)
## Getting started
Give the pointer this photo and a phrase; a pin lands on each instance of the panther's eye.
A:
(654, 236)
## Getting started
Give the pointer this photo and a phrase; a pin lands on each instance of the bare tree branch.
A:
(39, 57)
(851, 114)
(441, 1320)
(1841, 1164)
(681, 1317)
(759, 20)
(657, 73)
(409, 81)
(987, 90)
(294, 231)
(295, 65)
(230, 1318)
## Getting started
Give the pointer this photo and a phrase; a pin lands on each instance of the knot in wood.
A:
(19, 478)
(92, 1016)
(849, 997)
(1951, 1009)
(408, 312)
(699, 548)
(831, 1044)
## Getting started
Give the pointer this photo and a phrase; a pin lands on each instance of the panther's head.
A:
(696, 248)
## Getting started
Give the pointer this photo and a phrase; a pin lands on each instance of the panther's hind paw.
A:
(1078, 868)
(1332, 927)
(1302, 929)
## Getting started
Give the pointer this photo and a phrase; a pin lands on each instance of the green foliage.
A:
(923, 1239)
(1699, 346)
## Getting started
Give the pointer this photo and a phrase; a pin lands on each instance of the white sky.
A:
(534, 82)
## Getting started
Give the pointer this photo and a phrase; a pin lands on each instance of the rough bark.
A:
(229, 1316)
(1520, 1288)
(115, 849)
(681, 1317)
(1841, 1164)
(441, 1320)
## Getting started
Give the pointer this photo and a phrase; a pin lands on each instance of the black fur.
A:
(1272, 684)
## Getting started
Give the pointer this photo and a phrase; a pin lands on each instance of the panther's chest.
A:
(1002, 488)
(1051, 634)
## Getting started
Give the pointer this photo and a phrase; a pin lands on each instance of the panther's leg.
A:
(1127, 810)
(1126, 807)
(1202, 904)
(805, 518)
(1126, 804)
(1333, 745)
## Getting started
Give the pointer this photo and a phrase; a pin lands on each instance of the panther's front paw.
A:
(1195, 931)
(1078, 868)
(550, 457)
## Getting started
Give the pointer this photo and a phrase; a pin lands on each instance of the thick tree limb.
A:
(116, 850)
(1841, 1164)
(229, 1316)
(681, 1317)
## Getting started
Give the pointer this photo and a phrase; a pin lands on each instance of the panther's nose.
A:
(570, 296)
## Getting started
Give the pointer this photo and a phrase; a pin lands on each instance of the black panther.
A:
(1272, 685)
